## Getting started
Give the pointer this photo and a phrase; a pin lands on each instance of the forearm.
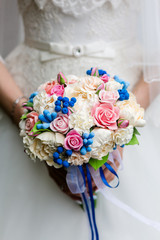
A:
(141, 91)
(9, 92)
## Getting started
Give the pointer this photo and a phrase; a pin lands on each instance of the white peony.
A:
(42, 101)
(123, 135)
(28, 142)
(43, 146)
(81, 119)
(112, 85)
(78, 159)
(131, 110)
(102, 143)
(22, 125)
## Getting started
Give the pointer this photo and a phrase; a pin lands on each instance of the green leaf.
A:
(136, 131)
(95, 163)
(29, 104)
(38, 131)
(24, 116)
(98, 91)
(133, 141)
(62, 81)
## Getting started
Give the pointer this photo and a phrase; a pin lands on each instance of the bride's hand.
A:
(59, 176)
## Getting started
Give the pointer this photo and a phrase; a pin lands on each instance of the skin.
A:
(9, 92)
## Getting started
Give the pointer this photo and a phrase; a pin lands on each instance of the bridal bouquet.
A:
(77, 123)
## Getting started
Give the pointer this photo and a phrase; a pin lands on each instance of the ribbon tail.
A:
(92, 202)
(84, 199)
(109, 196)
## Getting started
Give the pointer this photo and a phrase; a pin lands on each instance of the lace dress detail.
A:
(55, 21)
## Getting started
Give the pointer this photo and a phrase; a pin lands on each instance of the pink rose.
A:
(73, 141)
(61, 79)
(123, 123)
(49, 87)
(32, 118)
(60, 124)
(105, 115)
(58, 90)
(108, 96)
(104, 78)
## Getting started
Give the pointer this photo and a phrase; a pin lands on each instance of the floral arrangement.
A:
(75, 122)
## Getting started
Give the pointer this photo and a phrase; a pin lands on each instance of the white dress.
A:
(31, 205)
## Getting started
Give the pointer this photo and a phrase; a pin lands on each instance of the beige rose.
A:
(131, 110)
(85, 87)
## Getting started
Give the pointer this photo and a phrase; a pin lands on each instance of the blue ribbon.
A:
(86, 203)
(92, 201)
(92, 219)
(103, 177)
(88, 213)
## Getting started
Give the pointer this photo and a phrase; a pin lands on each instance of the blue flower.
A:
(32, 96)
(87, 140)
(123, 94)
(47, 118)
(100, 71)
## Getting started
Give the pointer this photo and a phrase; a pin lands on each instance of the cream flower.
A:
(71, 79)
(85, 87)
(81, 119)
(123, 135)
(28, 141)
(43, 146)
(42, 101)
(131, 110)
(78, 159)
(102, 143)
(112, 85)
(22, 125)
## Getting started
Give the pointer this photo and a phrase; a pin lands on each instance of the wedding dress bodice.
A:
(72, 36)
(78, 21)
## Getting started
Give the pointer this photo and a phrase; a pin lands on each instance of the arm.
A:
(141, 91)
(9, 92)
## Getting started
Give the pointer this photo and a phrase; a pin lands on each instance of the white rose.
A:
(123, 135)
(42, 101)
(78, 159)
(130, 110)
(102, 143)
(112, 85)
(81, 119)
